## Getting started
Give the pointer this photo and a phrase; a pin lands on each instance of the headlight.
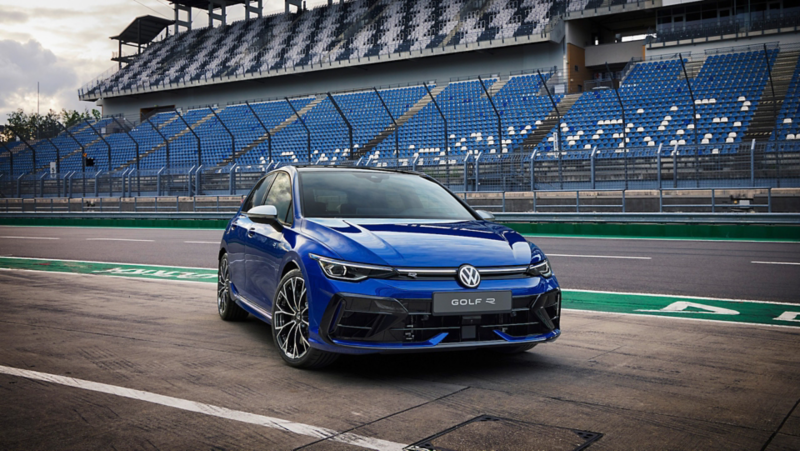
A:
(540, 269)
(352, 272)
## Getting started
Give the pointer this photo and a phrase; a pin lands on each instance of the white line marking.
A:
(721, 240)
(208, 409)
(118, 239)
(679, 296)
(600, 256)
(29, 238)
(776, 263)
(201, 242)
(646, 315)
(110, 263)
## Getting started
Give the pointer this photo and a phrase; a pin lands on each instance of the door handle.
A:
(251, 232)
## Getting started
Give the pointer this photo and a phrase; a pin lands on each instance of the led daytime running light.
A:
(352, 272)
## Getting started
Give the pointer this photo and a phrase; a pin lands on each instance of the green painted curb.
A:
(676, 231)
(749, 312)
(110, 269)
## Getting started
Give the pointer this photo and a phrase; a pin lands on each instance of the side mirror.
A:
(485, 215)
(263, 213)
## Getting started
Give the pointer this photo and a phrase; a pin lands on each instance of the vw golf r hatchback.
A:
(344, 260)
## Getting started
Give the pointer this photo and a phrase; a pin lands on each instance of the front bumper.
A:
(387, 324)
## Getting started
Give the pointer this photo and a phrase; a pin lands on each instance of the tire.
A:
(290, 325)
(227, 308)
(514, 349)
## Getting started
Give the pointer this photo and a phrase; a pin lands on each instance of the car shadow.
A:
(426, 364)
(474, 363)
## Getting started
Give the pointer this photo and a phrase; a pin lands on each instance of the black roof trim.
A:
(143, 29)
(204, 4)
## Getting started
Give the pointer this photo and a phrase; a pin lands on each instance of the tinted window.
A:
(373, 194)
(256, 197)
(280, 196)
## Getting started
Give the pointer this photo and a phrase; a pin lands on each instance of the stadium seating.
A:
(339, 32)
(788, 127)
(727, 90)
(658, 107)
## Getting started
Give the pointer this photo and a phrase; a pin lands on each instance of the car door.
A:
(267, 245)
(237, 238)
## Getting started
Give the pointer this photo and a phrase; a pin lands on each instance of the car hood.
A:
(421, 243)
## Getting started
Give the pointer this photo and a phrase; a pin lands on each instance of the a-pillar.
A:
(187, 24)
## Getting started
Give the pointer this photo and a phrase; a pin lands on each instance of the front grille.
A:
(439, 274)
(394, 321)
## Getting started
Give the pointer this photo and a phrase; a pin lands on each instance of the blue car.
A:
(355, 261)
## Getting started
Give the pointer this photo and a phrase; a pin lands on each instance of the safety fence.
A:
(731, 200)
(753, 165)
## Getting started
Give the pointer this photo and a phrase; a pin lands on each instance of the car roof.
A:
(313, 168)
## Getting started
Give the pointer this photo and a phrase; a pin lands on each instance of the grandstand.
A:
(712, 100)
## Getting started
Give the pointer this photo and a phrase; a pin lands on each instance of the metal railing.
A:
(753, 165)
(730, 27)
(665, 200)
(745, 202)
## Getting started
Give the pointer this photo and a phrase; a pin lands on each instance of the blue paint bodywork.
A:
(260, 254)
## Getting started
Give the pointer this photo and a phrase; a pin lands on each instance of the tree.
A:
(35, 126)
(70, 118)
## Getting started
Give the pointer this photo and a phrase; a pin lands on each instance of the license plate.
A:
(475, 302)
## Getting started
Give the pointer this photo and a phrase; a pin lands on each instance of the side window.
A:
(256, 197)
(280, 196)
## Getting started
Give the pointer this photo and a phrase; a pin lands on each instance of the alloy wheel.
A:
(290, 318)
(223, 286)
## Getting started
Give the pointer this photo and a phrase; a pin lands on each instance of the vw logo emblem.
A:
(469, 276)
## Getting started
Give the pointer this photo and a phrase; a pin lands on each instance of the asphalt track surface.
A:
(722, 269)
(155, 368)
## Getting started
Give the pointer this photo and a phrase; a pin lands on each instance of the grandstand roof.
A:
(143, 29)
(203, 4)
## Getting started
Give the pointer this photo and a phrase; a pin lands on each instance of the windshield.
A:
(373, 194)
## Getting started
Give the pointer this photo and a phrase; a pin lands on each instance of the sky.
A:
(62, 45)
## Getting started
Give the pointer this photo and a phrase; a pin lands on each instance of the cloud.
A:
(13, 17)
(63, 45)
(24, 65)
